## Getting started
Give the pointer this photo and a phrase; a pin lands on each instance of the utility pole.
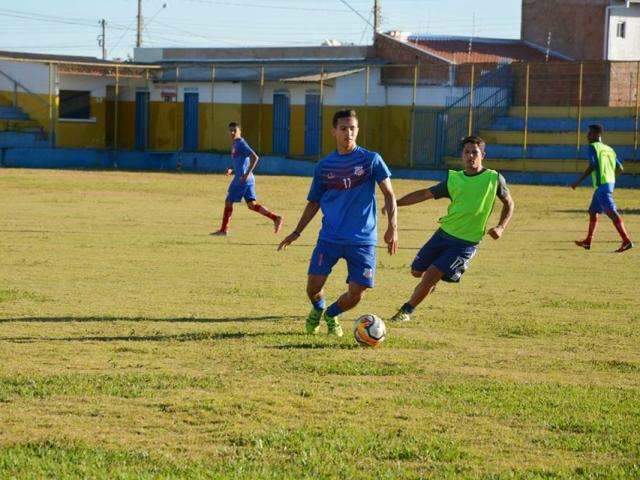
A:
(376, 16)
(102, 39)
(139, 34)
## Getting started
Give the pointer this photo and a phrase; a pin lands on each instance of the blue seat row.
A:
(537, 124)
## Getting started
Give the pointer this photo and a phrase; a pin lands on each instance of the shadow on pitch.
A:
(183, 337)
(271, 318)
(315, 346)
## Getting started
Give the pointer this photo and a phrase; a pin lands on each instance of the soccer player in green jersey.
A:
(603, 164)
(472, 192)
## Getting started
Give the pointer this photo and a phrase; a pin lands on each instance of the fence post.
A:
(52, 125)
(175, 112)
(525, 138)
(578, 131)
(637, 125)
(366, 106)
(320, 111)
(413, 114)
(115, 109)
(260, 110)
(471, 92)
(213, 106)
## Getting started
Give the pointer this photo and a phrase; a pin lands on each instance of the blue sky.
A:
(71, 26)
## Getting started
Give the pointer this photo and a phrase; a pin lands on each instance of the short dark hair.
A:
(475, 140)
(596, 128)
(343, 114)
(234, 125)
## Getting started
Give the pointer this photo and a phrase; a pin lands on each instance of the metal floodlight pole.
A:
(471, 93)
(115, 110)
(213, 103)
(413, 114)
(637, 124)
(139, 29)
(260, 109)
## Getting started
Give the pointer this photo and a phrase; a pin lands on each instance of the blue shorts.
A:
(602, 201)
(448, 254)
(361, 261)
(237, 191)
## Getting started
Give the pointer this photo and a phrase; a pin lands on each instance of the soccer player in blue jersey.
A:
(243, 184)
(447, 254)
(603, 164)
(343, 187)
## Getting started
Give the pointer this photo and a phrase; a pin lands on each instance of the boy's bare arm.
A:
(413, 198)
(505, 215)
(586, 173)
(307, 215)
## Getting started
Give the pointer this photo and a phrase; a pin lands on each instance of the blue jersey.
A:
(240, 152)
(344, 186)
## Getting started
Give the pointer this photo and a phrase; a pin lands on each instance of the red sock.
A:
(593, 223)
(226, 218)
(619, 224)
(263, 211)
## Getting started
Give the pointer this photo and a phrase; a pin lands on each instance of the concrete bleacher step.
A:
(562, 124)
(22, 139)
(12, 113)
(624, 152)
(555, 138)
(554, 165)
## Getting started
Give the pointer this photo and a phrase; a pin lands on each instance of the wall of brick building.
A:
(576, 26)
(431, 70)
(624, 83)
(606, 84)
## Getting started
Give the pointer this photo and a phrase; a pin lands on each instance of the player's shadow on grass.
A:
(315, 346)
(271, 318)
(628, 211)
(183, 337)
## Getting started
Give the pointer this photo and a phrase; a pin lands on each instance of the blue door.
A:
(190, 130)
(281, 121)
(312, 121)
(142, 120)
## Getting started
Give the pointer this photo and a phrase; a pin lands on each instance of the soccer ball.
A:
(369, 330)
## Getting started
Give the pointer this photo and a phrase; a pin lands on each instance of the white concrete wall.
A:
(627, 48)
(34, 76)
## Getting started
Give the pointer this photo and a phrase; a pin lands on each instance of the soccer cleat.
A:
(219, 233)
(625, 246)
(312, 325)
(584, 244)
(400, 316)
(334, 325)
(277, 223)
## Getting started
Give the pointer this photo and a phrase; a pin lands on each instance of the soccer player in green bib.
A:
(603, 164)
(447, 254)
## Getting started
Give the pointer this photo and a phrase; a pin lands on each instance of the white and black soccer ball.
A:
(369, 330)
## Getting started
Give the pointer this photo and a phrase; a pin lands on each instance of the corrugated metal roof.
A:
(241, 73)
(484, 50)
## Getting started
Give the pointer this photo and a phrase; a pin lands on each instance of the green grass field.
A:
(134, 345)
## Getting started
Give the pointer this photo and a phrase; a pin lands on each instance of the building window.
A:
(621, 29)
(75, 104)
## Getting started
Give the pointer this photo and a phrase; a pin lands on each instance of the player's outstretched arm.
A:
(412, 198)
(307, 215)
(584, 175)
(505, 216)
(390, 207)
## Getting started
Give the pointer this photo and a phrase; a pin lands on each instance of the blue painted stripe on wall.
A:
(215, 163)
